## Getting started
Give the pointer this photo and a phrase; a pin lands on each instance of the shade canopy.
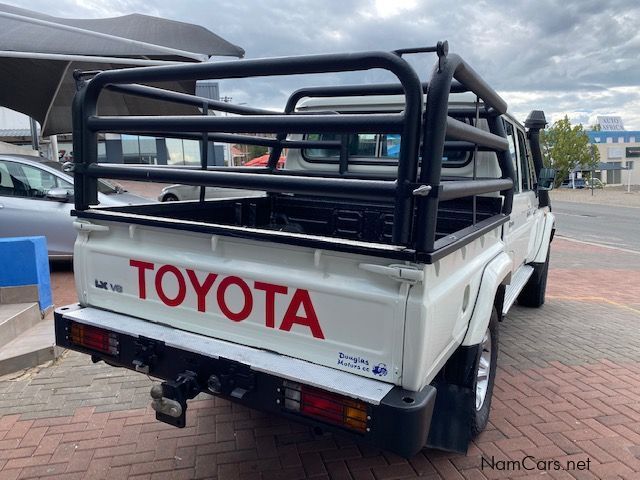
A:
(38, 54)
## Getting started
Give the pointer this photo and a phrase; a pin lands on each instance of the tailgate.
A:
(315, 305)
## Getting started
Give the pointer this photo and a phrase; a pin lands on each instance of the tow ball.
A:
(169, 399)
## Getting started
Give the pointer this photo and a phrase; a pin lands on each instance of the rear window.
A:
(360, 145)
(373, 149)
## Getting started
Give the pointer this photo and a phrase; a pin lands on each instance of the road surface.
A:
(608, 225)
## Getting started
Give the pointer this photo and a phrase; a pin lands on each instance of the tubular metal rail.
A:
(415, 195)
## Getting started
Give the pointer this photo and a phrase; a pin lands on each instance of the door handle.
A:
(511, 223)
(1, 206)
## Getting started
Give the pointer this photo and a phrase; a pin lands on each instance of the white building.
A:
(619, 149)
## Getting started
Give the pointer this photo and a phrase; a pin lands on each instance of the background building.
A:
(620, 152)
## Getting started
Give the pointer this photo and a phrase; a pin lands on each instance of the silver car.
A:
(36, 198)
(174, 193)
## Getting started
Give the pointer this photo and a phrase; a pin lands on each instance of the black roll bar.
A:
(373, 190)
(249, 123)
(249, 140)
(155, 93)
(438, 127)
(464, 188)
(87, 124)
(457, 130)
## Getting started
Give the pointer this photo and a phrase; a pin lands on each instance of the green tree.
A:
(565, 147)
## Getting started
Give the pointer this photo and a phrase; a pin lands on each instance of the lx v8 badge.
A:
(114, 287)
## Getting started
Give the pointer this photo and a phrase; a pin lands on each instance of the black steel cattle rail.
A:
(415, 195)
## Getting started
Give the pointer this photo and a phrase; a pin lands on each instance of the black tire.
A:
(480, 414)
(533, 293)
(169, 197)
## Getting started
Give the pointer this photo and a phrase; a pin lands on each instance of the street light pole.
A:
(593, 166)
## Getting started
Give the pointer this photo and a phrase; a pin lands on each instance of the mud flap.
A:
(451, 422)
(455, 402)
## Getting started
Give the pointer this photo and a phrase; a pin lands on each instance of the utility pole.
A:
(34, 136)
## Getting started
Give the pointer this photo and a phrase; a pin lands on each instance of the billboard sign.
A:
(610, 123)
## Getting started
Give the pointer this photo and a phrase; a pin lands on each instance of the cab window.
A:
(525, 171)
(360, 145)
(378, 148)
(514, 158)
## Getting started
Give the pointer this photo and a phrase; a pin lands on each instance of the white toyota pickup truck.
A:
(361, 293)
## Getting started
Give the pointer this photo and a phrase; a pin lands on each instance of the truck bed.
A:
(365, 222)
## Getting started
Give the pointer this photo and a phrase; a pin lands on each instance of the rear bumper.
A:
(397, 420)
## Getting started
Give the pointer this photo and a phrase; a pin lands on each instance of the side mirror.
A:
(58, 194)
(546, 179)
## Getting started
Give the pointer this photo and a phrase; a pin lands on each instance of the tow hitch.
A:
(170, 398)
(224, 377)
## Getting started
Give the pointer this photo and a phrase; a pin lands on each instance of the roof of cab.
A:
(379, 103)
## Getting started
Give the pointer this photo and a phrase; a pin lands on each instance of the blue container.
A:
(24, 261)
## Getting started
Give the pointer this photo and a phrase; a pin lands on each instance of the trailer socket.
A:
(214, 384)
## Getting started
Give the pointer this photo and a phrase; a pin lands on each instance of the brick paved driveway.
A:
(568, 388)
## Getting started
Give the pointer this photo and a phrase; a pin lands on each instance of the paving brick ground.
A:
(567, 390)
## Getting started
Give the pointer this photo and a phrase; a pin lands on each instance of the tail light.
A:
(328, 407)
(94, 338)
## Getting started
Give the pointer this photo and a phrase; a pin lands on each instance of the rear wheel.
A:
(169, 197)
(533, 293)
(485, 375)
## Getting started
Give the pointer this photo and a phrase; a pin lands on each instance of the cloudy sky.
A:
(567, 57)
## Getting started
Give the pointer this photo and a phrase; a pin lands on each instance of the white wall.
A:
(10, 148)
(10, 119)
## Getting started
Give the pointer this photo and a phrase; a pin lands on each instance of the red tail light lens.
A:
(94, 338)
(326, 406)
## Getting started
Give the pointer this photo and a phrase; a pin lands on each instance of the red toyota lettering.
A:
(246, 292)
(182, 287)
(201, 289)
(142, 267)
(300, 310)
(309, 318)
(270, 291)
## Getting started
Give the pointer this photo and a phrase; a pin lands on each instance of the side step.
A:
(518, 281)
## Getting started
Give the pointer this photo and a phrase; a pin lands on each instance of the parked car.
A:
(597, 183)
(36, 198)
(174, 193)
(576, 183)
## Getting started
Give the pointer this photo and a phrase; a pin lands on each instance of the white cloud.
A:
(389, 8)
(578, 58)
